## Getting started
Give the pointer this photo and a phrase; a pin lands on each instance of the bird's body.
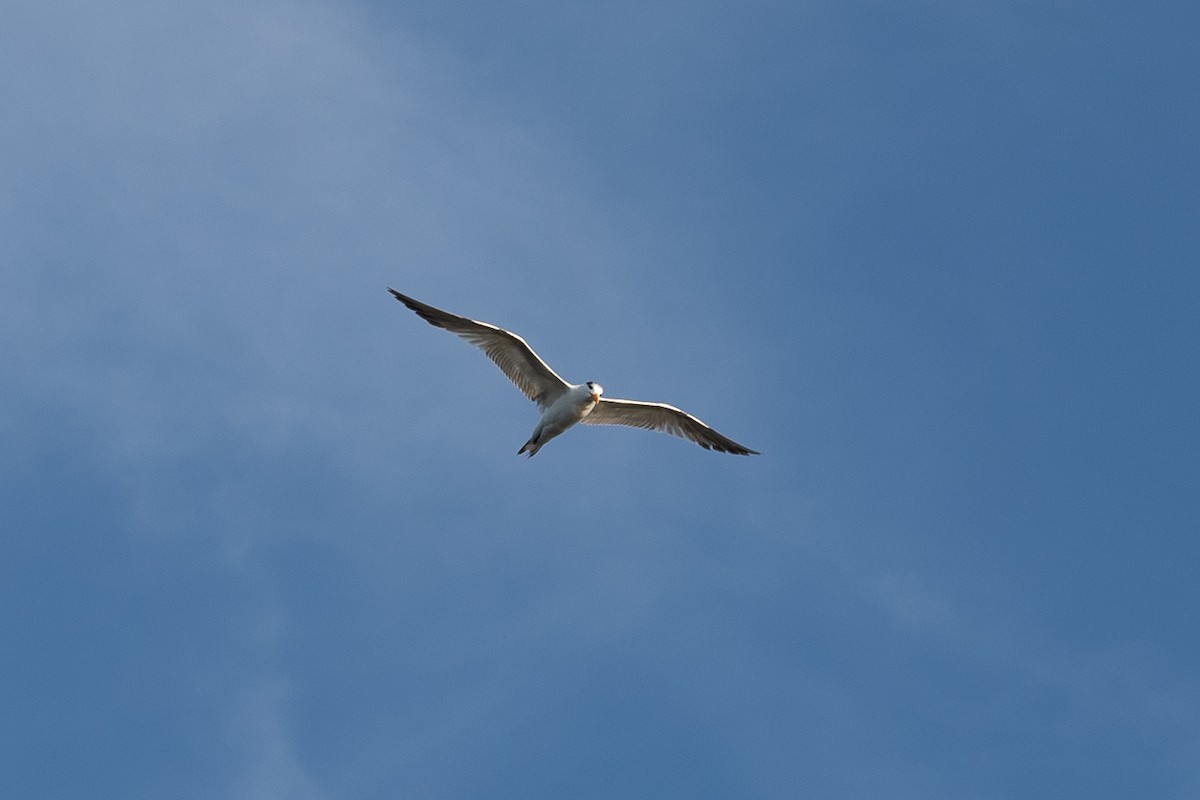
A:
(572, 406)
(566, 404)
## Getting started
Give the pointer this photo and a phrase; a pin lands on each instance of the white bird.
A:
(564, 404)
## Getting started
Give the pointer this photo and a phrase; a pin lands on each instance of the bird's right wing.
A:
(664, 418)
(515, 358)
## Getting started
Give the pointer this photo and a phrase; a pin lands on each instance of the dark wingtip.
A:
(733, 448)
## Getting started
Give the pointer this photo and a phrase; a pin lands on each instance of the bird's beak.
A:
(595, 397)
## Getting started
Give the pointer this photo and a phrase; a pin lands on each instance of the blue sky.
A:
(265, 534)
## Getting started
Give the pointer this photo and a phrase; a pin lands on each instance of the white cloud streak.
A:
(272, 770)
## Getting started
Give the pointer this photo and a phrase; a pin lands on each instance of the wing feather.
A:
(664, 418)
(510, 352)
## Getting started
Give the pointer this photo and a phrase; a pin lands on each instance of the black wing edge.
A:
(434, 316)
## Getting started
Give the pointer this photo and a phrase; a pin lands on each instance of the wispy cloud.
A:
(1118, 686)
(271, 768)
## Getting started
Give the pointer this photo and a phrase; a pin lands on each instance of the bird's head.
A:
(596, 390)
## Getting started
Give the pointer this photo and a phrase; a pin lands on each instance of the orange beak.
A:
(595, 398)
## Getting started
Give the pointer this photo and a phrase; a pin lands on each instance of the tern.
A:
(565, 404)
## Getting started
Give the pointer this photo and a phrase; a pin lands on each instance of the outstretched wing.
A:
(515, 358)
(664, 418)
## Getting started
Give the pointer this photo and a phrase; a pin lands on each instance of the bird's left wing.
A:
(515, 358)
(664, 418)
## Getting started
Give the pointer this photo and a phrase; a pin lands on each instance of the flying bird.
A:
(564, 404)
